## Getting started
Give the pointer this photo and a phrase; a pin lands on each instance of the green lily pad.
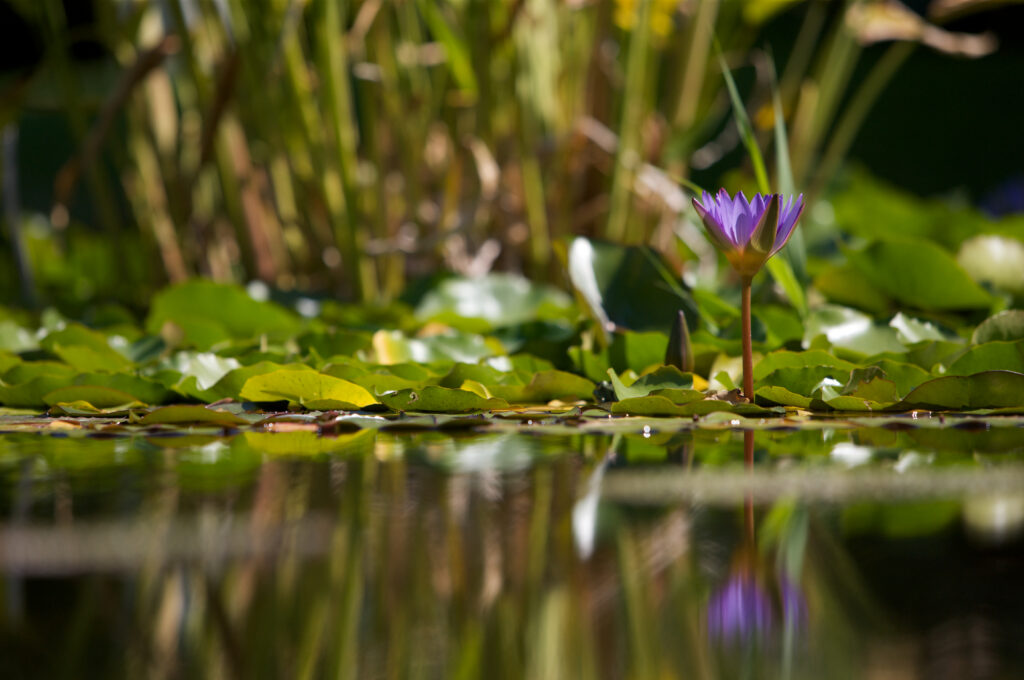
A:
(807, 359)
(435, 399)
(1006, 325)
(666, 377)
(629, 287)
(659, 405)
(845, 285)
(85, 349)
(989, 389)
(95, 395)
(310, 388)
(847, 329)
(491, 301)
(990, 356)
(208, 313)
(919, 273)
(192, 413)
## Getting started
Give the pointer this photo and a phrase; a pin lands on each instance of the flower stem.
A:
(748, 351)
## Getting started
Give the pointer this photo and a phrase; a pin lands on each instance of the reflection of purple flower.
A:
(744, 610)
(740, 611)
(749, 232)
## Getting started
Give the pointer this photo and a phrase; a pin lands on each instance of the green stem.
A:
(748, 351)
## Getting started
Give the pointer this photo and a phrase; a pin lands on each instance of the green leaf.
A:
(143, 389)
(208, 313)
(545, 386)
(666, 377)
(993, 259)
(193, 413)
(845, 285)
(919, 273)
(659, 405)
(989, 389)
(85, 349)
(94, 395)
(310, 388)
(628, 287)
(492, 301)
(850, 330)
(808, 359)
(905, 376)
(455, 47)
(434, 399)
(1006, 325)
(991, 356)
(911, 330)
(394, 347)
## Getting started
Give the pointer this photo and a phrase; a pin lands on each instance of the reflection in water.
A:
(496, 555)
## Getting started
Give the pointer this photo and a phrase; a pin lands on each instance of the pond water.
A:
(893, 551)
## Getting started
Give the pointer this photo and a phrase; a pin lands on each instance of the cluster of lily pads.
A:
(922, 317)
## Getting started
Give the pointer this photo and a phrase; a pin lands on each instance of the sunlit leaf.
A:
(989, 389)
(307, 387)
(920, 274)
(434, 399)
(492, 301)
(207, 313)
(990, 356)
(191, 414)
(99, 397)
(1006, 325)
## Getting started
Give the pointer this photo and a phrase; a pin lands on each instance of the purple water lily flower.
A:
(749, 232)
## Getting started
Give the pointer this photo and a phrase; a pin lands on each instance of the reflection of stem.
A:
(748, 503)
(748, 352)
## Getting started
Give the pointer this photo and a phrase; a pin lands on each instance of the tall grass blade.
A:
(779, 267)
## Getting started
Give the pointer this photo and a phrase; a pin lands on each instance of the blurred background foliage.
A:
(353, 147)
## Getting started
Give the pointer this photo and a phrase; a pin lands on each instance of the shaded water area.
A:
(844, 552)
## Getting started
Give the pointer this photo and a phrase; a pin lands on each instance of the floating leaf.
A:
(629, 287)
(208, 313)
(919, 273)
(488, 302)
(1006, 325)
(845, 285)
(998, 260)
(850, 330)
(786, 359)
(989, 389)
(394, 347)
(307, 387)
(193, 413)
(659, 405)
(911, 330)
(94, 395)
(991, 356)
(434, 399)
(85, 349)
(666, 377)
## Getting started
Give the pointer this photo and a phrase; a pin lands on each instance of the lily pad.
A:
(310, 388)
(207, 313)
(989, 389)
(435, 399)
(97, 396)
(1006, 325)
(194, 413)
(919, 273)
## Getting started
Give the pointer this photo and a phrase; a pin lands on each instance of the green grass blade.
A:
(796, 250)
(745, 128)
(780, 267)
